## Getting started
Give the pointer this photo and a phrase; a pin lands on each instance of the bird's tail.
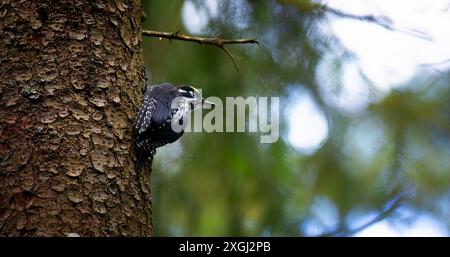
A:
(142, 158)
(145, 156)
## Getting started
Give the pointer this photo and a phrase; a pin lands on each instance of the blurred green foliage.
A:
(228, 184)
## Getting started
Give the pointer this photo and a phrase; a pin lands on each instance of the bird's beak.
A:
(207, 104)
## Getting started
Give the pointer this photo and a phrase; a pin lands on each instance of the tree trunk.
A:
(71, 79)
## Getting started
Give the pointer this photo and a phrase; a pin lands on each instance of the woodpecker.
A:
(162, 117)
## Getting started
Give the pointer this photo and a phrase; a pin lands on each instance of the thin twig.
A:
(231, 57)
(215, 41)
(436, 63)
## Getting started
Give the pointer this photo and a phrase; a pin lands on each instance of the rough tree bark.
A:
(70, 85)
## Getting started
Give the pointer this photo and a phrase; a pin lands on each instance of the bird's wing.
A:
(155, 110)
(163, 111)
(144, 117)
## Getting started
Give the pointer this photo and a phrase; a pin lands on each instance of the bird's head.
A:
(194, 97)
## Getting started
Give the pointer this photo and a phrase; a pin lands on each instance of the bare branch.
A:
(386, 212)
(382, 21)
(215, 41)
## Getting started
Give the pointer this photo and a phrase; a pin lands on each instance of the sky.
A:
(388, 58)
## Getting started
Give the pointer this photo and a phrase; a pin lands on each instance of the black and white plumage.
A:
(161, 118)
